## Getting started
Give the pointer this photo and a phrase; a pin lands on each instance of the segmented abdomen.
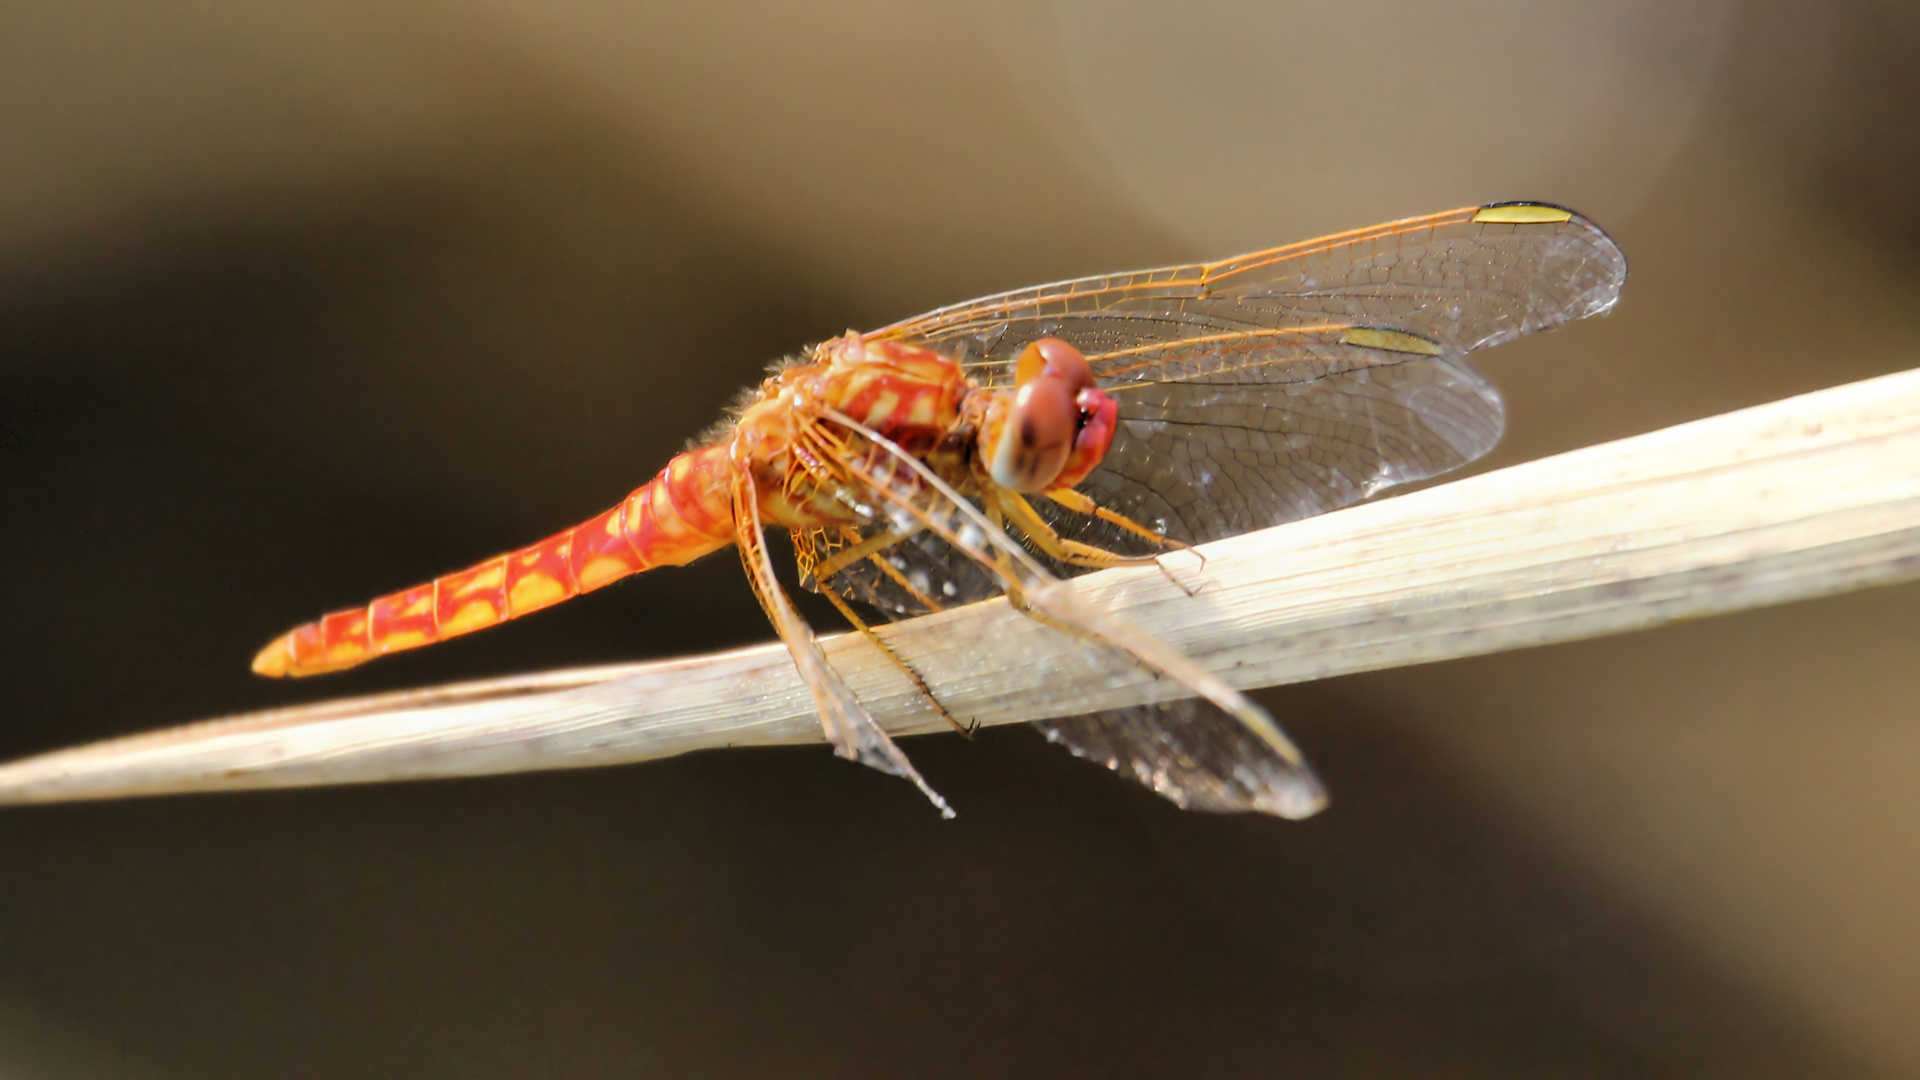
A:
(683, 513)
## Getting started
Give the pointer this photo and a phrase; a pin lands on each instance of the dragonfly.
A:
(996, 447)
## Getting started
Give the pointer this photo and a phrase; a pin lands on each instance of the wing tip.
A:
(1295, 797)
(1605, 293)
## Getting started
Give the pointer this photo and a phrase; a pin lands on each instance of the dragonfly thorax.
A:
(914, 397)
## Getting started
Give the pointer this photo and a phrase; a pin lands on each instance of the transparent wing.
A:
(1257, 768)
(1190, 752)
(1207, 458)
(1464, 279)
(1254, 391)
(918, 575)
(1284, 383)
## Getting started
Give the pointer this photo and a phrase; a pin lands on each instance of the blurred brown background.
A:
(300, 303)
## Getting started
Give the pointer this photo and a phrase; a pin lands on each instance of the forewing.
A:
(1276, 385)
(1465, 279)
(1191, 753)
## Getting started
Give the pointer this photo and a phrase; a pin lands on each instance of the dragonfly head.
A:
(1059, 425)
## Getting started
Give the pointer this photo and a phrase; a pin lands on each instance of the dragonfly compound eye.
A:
(1037, 436)
(1051, 356)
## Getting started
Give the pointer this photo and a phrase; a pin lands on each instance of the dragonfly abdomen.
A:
(681, 514)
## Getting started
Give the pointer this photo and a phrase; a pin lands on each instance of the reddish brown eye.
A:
(1066, 362)
(1037, 437)
(1029, 365)
(1051, 356)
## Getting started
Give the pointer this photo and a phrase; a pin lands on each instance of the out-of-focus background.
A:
(302, 303)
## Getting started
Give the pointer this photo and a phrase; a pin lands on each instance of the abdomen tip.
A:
(275, 660)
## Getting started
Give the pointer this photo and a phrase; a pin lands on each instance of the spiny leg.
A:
(920, 684)
(847, 556)
(1071, 552)
(1003, 568)
(851, 729)
(822, 571)
(893, 573)
(1079, 554)
(1083, 504)
(944, 511)
(823, 448)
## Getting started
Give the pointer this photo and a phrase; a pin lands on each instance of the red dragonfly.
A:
(993, 447)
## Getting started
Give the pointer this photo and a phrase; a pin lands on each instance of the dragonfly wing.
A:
(1280, 384)
(852, 730)
(1203, 459)
(1278, 779)
(1192, 754)
(1465, 279)
(918, 575)
(1259, 390)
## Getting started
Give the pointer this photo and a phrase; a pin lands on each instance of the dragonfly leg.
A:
(847, 556)
(1082, 504)
(1038, 594)
(906, 584)
(1074, 553)
(1071, 552)
(822, 572)
(920, 684)
(851, 729)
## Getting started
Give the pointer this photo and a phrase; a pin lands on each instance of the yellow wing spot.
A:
(401, 639)
(1523, 214)
(1369, 337)
(478, 614)
(600, 571)
(533, 592)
